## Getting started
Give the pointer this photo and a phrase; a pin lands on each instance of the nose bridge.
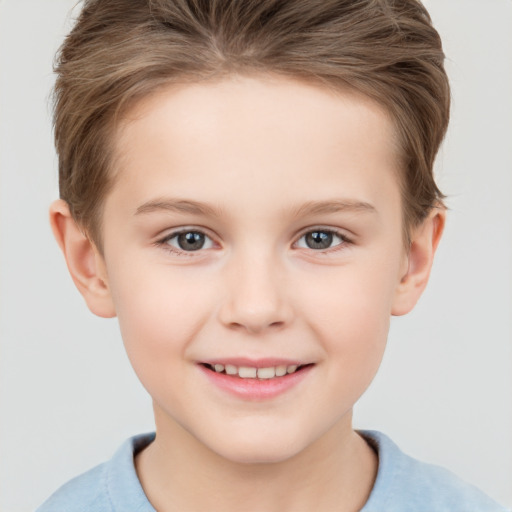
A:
(255, 293)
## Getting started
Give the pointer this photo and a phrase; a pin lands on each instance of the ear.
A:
(85, 263)
(418, 262)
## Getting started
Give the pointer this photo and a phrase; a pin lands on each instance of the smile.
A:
(251, 372)
(262, 380)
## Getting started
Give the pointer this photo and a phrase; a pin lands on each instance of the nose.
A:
(256, 297)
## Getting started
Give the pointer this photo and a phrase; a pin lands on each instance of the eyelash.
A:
(164, 242)
(344, 241)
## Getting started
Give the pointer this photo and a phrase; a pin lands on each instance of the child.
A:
(248, 187)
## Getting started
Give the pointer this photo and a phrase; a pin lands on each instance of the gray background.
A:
(68, 396)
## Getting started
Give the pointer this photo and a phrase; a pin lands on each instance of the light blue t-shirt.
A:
(403, 484)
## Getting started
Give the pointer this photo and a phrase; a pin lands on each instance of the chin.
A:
(251, 455)
(250, 449)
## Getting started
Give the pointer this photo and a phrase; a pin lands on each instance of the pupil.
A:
(191, 241)
(319, 240)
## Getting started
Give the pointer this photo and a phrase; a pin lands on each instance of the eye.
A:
(321, 239)
(188, 241)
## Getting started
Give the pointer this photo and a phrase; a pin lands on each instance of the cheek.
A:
(349, 309)
(159, 312)
(353, 333)
(353, 299)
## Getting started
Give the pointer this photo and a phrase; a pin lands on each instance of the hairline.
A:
(135, 101)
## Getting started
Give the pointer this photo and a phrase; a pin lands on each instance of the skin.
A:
(257, 151)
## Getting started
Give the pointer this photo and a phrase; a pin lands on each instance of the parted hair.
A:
(121, 51)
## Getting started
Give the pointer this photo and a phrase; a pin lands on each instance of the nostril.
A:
(255, 302)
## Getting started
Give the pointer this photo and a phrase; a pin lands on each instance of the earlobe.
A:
(424, 241)
(85, 263)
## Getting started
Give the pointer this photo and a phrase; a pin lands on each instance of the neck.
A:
(178, 472)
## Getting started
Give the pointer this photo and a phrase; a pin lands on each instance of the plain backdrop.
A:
(68, 396)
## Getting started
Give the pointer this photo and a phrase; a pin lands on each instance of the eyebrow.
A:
(333, 206)
(177, 205)
(309, 208)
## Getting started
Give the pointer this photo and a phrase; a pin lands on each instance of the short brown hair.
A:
(122, 50)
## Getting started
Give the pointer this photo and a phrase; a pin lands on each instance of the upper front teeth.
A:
(248, 372)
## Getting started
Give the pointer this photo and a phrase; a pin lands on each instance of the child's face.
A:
(294, 255)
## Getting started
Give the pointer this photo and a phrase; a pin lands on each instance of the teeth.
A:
(280, 370)
(231, 370)
(266, 373)
(248, 372)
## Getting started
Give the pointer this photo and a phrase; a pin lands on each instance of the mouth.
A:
(255, 381)
(253, 372)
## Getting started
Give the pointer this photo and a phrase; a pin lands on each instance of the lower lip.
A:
(256, 389)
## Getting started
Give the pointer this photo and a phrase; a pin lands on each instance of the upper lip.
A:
(265, 362)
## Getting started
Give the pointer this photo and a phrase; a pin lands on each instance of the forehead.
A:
(260, 137)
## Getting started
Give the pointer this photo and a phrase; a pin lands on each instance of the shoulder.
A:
(405, 484)
(109, 487)
(85, 492)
